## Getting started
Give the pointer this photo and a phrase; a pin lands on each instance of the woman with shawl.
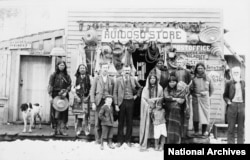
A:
(150, 94)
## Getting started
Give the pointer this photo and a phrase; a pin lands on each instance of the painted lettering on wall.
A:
(19, 44)
(152, 34)
(216, 77)
(192, 48)
(215, 67)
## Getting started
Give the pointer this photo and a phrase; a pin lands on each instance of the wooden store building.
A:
(137, 37)
(26, 64)
(197, 35)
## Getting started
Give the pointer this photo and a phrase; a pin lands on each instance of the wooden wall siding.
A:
(5, 65)
(118, 17)
(35, 37)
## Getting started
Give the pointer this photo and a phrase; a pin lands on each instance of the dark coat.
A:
(119, 89)
(106, 116)
(96, 91)
(229, 91)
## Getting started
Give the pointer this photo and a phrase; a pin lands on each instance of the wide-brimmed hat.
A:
(60, 104)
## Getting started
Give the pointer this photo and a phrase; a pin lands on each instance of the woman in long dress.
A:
(174, 98)
(151, 92)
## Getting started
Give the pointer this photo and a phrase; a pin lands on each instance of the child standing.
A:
(159, 122)
(107, 122)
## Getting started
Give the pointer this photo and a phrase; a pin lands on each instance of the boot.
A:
(61, 132)
(162, 143)
(196, 128)
(110, 144)
(204, 130)
(55, 127)
(156, 144)
(102, 146)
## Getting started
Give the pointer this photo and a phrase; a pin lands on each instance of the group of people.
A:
(165, 103)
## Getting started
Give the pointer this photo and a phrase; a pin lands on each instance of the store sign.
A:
(199, 56)
(192, 48)
(215, 67)
(21, 44)
(216, 77)
(194, 61)
(150, 34)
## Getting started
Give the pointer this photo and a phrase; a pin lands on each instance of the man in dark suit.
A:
(234, 95)
(125, 91)
(102, 86)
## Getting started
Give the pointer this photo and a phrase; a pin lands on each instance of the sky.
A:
(49, 15)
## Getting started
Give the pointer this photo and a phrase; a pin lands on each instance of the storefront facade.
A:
(27, 63)
(197, 34)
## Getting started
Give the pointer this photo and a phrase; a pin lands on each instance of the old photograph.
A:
(121, 79)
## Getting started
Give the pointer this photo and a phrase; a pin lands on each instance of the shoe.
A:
(53, 133)
(161, 148)
(63, 133)
(111, 146)
(118, 145)
(129, 144)
(102, 144)
(78, 133)
(102, 147)
(196, 134)
(204, 135)
(143, 150)
(97, 142)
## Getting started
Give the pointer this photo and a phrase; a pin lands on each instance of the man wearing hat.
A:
(234, 95)
(161, 72)
(103, 85)
(126, 89)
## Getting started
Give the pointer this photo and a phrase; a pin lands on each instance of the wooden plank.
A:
(3, 74)
(142, 19)
(35, 37)
(145, 14)
(148, 10)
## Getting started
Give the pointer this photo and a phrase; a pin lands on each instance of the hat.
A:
(108, 96)
(60, 104)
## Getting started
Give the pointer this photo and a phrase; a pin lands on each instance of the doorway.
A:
(34, 79)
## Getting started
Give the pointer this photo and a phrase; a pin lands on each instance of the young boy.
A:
(107, 121)
(159, 122)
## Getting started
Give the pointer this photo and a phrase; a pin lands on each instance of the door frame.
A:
(16, 87)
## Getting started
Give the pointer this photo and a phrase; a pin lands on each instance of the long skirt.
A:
(201, 109)
(174, 124)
